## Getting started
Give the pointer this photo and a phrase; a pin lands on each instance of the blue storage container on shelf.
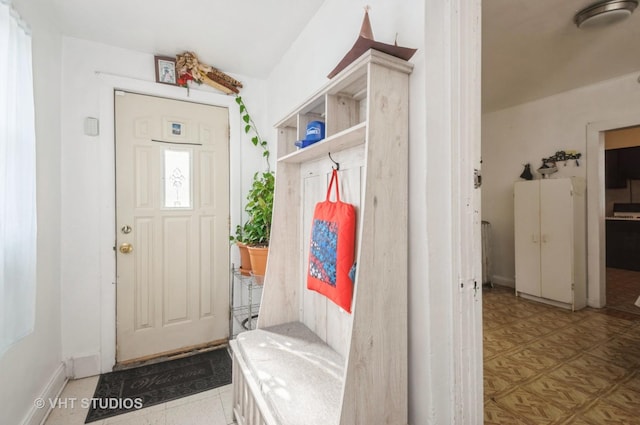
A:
(315, 133)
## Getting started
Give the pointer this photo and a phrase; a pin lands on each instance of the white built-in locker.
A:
(550, 236)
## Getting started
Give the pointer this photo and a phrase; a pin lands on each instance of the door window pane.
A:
(177, 179)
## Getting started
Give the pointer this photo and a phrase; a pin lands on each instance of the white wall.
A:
(32, 366)
(531, 131)
(302, 70)
(88, 266)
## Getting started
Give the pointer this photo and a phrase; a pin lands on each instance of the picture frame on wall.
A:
(166, 70)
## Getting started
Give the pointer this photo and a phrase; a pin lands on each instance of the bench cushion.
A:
(299, 375)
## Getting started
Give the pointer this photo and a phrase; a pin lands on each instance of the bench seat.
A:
(297, 375)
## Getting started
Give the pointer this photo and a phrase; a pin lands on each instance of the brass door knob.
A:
(126, 248)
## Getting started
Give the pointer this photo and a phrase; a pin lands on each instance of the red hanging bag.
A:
(331, 253)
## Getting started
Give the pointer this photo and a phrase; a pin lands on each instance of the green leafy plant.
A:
(250, 127)
(256, 231)
(239, 236)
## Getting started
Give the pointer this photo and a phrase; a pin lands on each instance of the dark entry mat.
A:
(133, 389)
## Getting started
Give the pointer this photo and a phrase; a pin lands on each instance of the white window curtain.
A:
(17, 180)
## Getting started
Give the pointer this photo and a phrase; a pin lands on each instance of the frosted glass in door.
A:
(556, 227)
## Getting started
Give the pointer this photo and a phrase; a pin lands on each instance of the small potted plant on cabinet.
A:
(255, 232)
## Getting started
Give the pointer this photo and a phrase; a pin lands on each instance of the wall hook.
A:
(337, 167)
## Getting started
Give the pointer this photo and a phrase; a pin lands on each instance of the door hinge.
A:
(477, 178)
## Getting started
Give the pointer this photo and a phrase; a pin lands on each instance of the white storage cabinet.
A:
(550, 241)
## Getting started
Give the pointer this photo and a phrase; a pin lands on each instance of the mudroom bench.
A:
(286, 375)
(309, 362)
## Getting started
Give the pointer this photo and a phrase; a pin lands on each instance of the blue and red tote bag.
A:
(331, 254)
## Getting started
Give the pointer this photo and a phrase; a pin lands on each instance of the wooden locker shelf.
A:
(348, 138)
(316, 361)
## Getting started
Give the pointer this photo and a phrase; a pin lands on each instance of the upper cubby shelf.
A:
(341, 104)
(348, 138)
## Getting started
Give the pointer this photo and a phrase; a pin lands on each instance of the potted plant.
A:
(258, 228)
(256, 231)
(245, 259)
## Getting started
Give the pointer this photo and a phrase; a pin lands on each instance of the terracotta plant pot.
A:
(258, 259)
(245, 259)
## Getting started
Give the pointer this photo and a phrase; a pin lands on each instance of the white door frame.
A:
(596, 243)
(454, 276)
(109, 83)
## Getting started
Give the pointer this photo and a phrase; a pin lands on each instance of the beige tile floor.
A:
(545, 365)
(211, 407)
(542, 365)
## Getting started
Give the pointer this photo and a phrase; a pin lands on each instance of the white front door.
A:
(172, 225)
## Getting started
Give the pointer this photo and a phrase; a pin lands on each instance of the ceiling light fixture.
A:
(604, 13)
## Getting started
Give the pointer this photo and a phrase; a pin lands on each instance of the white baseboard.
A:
(84, 366)
(49, 392)
(503, 281)
(545, 301)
